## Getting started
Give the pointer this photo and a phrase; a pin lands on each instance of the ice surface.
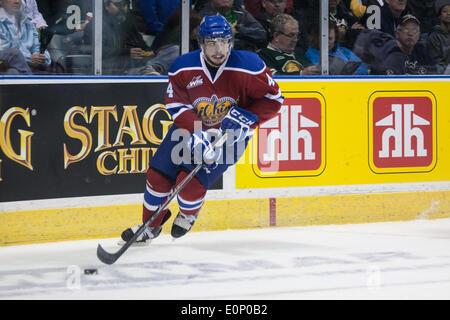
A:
(395, 260)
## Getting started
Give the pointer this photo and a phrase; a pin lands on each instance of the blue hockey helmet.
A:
(214, 26)
(215, 38)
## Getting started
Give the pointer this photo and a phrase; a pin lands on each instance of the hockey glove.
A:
(237, 124)
(202, 149)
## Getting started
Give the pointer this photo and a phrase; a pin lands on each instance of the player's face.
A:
(216, 50)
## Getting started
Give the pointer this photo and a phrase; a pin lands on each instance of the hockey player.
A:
(212, 90)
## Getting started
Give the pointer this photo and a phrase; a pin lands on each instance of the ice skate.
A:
(146, 237)
(183, 223)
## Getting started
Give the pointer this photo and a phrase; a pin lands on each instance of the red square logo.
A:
(402, 131)
(292, 143)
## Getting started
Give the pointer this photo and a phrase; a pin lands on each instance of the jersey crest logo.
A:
(292, 66)
(195, 82)
(213, 110)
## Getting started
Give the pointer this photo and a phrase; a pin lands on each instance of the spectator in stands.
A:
(348, 24)
(424, 11)
(248, 32)
(27, 41)
(417, 61)
(359, 7)
(156, 13)
(305, 14)
(270, 8)
(367, 11)
(342, 61)
(279, 55)
(59, 17)
(404, 54)
(391, 13)
(255, 7)
(30, 9)
(123, 46)
(66, 21)
(200, 4)
(438, 41)
(12, 62)
(380, 52)
(303, 9)
(169, 47)
(131, 33)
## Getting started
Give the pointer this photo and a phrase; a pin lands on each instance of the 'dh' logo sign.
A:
(293, 142)
(402, 132)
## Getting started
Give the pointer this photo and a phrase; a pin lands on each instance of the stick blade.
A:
(104, 256)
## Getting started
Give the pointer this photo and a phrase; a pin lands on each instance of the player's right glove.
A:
(237, 123)
(202, 149)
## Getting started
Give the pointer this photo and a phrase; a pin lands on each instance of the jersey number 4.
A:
(169, 90)
(270, 80)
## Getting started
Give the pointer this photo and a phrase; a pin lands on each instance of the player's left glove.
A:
(237, 124)
(202, 149)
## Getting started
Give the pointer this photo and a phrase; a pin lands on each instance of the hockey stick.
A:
(110, 258)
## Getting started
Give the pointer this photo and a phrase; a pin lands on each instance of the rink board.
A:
(346, 139)
(327, 158)
(49, 225)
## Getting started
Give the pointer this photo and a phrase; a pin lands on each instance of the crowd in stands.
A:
(142, 37)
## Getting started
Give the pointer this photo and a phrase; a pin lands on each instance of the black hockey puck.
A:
(90, 271)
